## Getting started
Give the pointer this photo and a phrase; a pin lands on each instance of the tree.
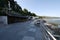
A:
(14, 7)
(25, 11)
(33, 14)
(28, 13)
(3, 3)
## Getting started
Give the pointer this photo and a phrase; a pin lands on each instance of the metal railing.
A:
(47, 32)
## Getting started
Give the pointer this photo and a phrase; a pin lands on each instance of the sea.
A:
(56, 21)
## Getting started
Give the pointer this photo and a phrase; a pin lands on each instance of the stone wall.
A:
(3, 20)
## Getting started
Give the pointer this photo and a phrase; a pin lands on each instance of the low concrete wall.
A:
(3, 20)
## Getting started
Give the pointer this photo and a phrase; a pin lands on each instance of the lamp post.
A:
(9, 5)
(9, 8)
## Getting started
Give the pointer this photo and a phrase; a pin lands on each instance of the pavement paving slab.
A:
(21, 31)
(28, 38)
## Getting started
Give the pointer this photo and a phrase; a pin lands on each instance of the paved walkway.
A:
(22, 31)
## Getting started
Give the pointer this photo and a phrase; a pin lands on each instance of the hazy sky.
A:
(41, 7)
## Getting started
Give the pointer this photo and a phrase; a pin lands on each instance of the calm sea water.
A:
(56, 21)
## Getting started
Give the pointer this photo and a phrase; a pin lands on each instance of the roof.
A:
(14, 14)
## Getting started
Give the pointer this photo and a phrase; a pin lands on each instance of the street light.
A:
(9, 8)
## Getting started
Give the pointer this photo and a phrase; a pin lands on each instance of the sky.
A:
(41, 7)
